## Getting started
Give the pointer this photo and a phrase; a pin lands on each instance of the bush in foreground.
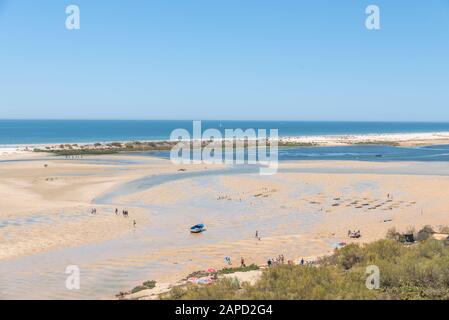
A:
(145, 286)
(239, 269)
(418, 271)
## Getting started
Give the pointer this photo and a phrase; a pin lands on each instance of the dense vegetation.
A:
(150, 284)
(138, 146)
(238, 269)
(108, 148)
(407, 271)
(78, 152)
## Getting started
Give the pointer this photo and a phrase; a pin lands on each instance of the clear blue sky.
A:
(225, 59)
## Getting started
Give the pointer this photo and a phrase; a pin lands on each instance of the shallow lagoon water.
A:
(119, 264)
(376, 153)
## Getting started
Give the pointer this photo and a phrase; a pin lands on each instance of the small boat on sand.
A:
(198, 228)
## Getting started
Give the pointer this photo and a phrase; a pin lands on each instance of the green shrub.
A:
(393, 234)
(239, 269)
(145, 286)
(150, 284)
(424, 234)
(138, 288)
(349, 255)
(225, 289)
(418, 271)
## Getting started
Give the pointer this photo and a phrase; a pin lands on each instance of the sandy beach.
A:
(46, 221)
(400, 139)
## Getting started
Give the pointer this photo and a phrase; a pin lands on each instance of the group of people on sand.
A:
(280, 259)
(228, 261)
(125, 213)
(303, 262)
(354, 234)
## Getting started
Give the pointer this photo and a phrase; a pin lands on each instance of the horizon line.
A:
(225, 120)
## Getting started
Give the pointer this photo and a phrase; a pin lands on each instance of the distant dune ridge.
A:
(397, 139)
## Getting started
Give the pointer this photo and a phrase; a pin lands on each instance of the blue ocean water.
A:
(18, 132)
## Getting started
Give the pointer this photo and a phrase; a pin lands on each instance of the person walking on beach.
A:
(116, 211)
(242, 262)
(134, 223)
(257, 234)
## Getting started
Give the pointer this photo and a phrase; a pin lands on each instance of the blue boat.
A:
(198, 228)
